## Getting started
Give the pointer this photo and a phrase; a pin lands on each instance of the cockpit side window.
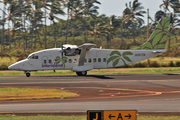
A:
(33, 57)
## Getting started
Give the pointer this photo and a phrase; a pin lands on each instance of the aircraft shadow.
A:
(100, 76)
(96, 76)
(171, 73)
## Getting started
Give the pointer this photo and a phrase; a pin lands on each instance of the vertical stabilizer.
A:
(158, 38)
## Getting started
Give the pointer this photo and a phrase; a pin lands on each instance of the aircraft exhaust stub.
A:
(112, 115)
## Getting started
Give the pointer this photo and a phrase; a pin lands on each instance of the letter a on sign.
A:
(119, 116)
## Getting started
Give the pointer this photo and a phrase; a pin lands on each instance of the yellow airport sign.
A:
(119, 115)
(111, 115)
(94, 115)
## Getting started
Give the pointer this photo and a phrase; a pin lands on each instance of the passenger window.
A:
(44, 61)
(75, 60)
(99, 59)
(70, 61)
(104, 59)
(35, 57)
(85, 60)
(65, 60)
(94, 60)
(89, 60)
(49, 61)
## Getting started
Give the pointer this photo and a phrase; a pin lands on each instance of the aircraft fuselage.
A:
(51, 59)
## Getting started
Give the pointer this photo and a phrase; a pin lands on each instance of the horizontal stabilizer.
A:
(159, 51)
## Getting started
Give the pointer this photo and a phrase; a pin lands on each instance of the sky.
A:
(116, 7)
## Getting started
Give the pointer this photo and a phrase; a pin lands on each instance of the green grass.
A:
(96, 71)
(28, 93)
(158, 118)
(156, 70)
(42, 117)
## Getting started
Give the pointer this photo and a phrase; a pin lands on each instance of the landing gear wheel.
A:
(78, 73)
(28, 74)
(83, 73)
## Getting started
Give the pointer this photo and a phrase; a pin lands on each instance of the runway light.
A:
(119, 92)
(101, 90)
(62, 87)
(137, 112)
(112, 94)
(13, 113)
(62, 96)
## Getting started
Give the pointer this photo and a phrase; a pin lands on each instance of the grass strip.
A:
(43, 117)
(28, 93)
(97, 72)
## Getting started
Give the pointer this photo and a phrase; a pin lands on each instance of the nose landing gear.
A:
(27, 74)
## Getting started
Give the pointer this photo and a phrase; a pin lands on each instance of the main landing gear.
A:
(83, 73)
(27, 74)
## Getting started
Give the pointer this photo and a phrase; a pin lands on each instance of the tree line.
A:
(27, 22)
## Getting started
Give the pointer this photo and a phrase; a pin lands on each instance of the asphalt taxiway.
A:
(144, 92)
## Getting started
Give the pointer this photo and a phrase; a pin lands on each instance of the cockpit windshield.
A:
(33, 57)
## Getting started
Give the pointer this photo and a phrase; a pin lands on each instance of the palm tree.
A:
(2, 22)
(69, 5)
(108, 30)
(24, 10)
(76, 14)
(36, 17)
(44, 2)
(55, 9)
(133, 14)
(175, 5)
(96, 29)
(90, 10)
(13, 13)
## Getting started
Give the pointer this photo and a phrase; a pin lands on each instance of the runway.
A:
(144, 92)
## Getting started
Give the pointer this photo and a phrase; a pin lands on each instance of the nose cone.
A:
(17, 66)
(13, 67)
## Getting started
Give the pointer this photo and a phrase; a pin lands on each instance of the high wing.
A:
(84, 48)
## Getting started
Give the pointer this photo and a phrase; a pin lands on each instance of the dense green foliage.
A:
(28, 30)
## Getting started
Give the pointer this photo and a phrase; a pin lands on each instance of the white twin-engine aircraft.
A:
(84, 58)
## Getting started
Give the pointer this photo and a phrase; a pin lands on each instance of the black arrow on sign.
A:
(111, 116)
(128, 116)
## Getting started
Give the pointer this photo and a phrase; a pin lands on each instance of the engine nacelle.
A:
(71, 50)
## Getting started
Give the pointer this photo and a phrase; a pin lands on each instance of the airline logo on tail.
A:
(158, 38)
